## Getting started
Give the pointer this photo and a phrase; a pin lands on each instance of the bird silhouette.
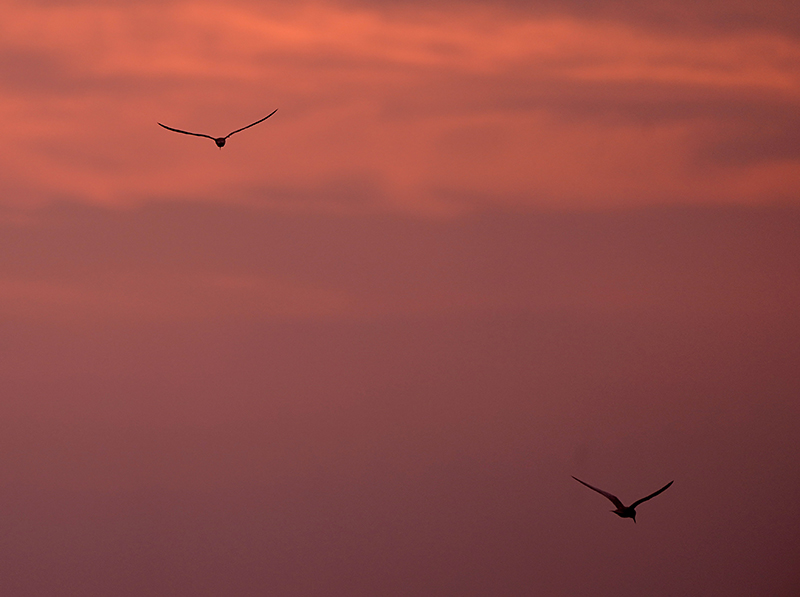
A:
(622, 510)
(220, 141)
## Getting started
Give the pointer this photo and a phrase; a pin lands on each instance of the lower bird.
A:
(220, 141)
(622, 510)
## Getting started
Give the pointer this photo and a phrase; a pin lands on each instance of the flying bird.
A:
(220, 141)
(622, 510)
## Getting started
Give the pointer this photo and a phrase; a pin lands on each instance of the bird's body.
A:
(622, 510)
(220, 141)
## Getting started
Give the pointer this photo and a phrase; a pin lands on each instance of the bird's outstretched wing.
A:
(249, 125)
(186, 132)
(652, 495)
(614, 499)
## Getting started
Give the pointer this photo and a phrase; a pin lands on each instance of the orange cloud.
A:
(428, 111)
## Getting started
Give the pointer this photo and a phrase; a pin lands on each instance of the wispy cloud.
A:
(436, 109)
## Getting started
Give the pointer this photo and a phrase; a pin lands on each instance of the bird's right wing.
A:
(652, 495)
(186, 132)
(249, 125)
(614, 499)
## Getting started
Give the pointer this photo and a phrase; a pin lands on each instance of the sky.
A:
(360, 351)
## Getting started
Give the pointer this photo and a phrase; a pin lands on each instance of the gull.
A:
(220, 141)
(622, 510)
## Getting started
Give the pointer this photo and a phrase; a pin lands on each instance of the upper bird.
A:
(622, 510)
(220, 141)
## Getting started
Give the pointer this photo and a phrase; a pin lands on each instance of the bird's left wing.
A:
(614, 499)
(185, 132)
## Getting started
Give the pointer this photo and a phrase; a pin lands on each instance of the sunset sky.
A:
(360, 351)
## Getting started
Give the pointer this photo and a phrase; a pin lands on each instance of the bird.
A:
(622, 510)
(220, 141)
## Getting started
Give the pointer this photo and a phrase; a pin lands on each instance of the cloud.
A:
(535, 108)
(673, 15)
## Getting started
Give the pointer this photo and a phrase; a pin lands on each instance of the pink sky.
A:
(481, 247)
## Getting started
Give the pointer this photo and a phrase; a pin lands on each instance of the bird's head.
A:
(220, 142)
